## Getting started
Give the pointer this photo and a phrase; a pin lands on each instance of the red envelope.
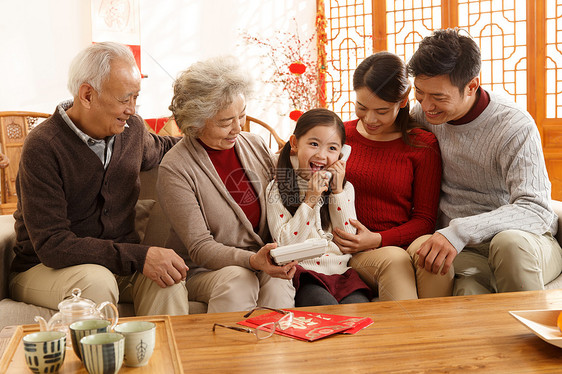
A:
(310, 326)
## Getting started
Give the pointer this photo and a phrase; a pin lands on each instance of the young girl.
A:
(306, 202)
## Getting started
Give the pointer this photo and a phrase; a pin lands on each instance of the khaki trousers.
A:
(393, 272)
(513, 260)
(46, 287)
(235, 289)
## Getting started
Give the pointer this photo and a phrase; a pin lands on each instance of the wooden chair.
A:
(14, 128)
(273, 134)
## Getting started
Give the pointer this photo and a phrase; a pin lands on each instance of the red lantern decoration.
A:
(295, 115)
(297, 68)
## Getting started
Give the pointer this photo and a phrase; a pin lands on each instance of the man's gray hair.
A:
(92, 65)
(204, 89)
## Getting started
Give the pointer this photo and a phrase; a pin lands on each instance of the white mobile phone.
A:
(345, 152)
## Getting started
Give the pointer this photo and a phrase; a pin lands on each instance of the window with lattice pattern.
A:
(520, 41)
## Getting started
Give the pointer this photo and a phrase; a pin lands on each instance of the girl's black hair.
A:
(286, 175)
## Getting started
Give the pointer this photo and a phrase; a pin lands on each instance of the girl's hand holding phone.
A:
(338, 170)
(317, 185)
(338, 174)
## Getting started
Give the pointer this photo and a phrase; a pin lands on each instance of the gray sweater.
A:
(494, 175)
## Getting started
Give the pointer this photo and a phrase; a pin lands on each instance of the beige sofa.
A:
(15, 313)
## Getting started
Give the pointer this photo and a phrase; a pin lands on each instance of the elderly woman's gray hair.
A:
(206, 88)
(92, 65)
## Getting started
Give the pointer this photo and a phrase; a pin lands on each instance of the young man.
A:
(496, 219)
(77, 186)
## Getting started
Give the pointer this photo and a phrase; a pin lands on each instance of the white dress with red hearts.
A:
(305, 224)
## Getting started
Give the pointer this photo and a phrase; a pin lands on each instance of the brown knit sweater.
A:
(70, 210)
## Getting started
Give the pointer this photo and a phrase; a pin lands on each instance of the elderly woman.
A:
(211, 186)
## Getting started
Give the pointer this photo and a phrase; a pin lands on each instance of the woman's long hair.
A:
(286, 175)
(385, 75)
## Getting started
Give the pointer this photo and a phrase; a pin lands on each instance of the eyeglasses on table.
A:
(267, 329)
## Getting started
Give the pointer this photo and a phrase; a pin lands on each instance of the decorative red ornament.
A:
(295, 115)
(297, 68)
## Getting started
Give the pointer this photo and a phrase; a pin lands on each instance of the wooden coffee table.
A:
(443, 335)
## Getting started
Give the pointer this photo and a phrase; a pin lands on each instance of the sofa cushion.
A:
(158, 227)
(19, 313)
(7, 240)
(555, 284)
(142, 215)
(197, 307)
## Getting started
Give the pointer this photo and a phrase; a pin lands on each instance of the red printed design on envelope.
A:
(312, 326)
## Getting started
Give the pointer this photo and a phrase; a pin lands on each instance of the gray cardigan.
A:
(209, 229)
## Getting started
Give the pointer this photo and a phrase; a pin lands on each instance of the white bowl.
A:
(542, 323)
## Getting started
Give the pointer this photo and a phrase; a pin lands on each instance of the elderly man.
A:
(78, 183)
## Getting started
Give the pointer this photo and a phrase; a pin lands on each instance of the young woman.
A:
(309, 197)
(396, 170)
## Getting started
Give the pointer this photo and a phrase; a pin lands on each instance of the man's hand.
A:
(262, 261)
(434, 252)
(164, 266)
(353, 243)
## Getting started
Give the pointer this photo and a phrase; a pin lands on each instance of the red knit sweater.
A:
(228, 166)
(396, 185)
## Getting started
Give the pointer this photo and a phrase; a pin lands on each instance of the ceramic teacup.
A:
(80, 329)
(140, 338)
(102, 353)
(44, 351)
